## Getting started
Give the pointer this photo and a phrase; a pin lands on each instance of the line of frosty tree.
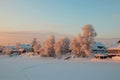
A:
(79, 46)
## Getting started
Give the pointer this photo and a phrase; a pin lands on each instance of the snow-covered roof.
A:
(13, 48)
(98, 46)
(10, 47)
(117, 47)
(25, 46)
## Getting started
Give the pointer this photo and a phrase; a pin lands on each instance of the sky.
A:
(61, 16)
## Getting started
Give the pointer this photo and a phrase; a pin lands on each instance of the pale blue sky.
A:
(62, 16)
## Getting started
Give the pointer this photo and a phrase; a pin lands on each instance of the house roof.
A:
(98, 46)
(13, 48)
(25, 46)
(117, 47)
(10, 47)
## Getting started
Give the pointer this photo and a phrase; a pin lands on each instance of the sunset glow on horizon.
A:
(61, 16)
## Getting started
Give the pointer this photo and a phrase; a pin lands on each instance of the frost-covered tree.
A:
(79, 39)
(18, 45)
(82, 45)
(6, 51)
(58, 47)
(34, 42)
(48, 47)
(62, 46)
(37, 48)
(1, 48)
(88, 34)
(75, 46)
(66, 43)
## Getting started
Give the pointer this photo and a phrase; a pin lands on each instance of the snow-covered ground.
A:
(37, 68)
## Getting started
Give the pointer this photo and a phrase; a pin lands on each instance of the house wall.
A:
(114, 51)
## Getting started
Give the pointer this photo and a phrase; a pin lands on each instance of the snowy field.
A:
(37, 68)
